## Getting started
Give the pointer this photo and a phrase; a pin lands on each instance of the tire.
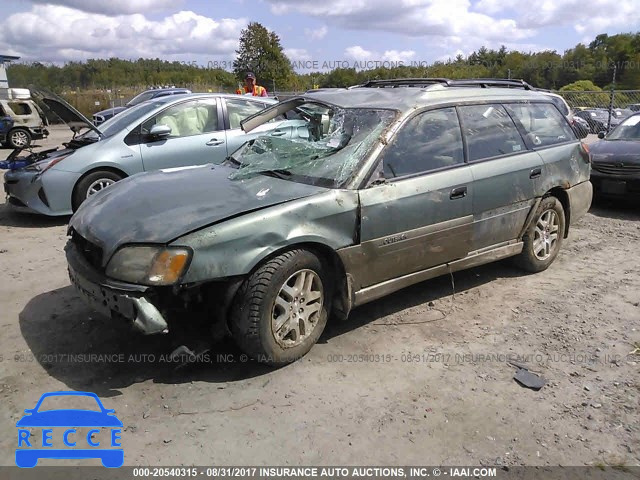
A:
(260, 321)
(19, 138)
(543, 238)
(91, 184)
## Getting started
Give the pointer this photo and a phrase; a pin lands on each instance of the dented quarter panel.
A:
(558, 172)
(237, 245)
(568, 167)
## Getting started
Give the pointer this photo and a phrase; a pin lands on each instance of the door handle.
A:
(214, 141)
(458, 192)
(535, 173)
(278, 133)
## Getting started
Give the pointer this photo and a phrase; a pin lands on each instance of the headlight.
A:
(149, 265)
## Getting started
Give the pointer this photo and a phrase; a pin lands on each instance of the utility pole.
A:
(613, 86)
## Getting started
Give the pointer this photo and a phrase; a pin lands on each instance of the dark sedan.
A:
(616, 160)
(598, 119)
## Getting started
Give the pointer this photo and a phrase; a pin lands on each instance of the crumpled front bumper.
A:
(113, 298)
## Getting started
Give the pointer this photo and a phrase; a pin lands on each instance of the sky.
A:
(315, 34)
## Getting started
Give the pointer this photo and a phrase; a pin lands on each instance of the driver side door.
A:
(421, 215)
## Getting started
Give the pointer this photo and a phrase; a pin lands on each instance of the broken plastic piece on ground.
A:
(530, 380)
(183, 353)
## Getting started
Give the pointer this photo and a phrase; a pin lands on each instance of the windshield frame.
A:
(354, 170)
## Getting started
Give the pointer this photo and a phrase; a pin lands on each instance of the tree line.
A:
(261, 51)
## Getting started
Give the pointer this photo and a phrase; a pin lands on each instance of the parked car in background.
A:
(382, 188)
(634, 107)
(100, 117)
(616, 160)
(166, 132)
(622, 113)
(580, 125)
(598, 119)
(28, 122)
(6, 123)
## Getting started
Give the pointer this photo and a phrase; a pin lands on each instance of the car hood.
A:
(158, 207)
(69, 418)
(607, 151)
(69, 115)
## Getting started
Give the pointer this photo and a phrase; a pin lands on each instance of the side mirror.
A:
(160, 131)
(601, 135)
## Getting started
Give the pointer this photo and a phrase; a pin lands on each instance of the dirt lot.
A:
(417, 378)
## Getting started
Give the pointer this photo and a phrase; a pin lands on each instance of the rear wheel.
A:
(544, 237)
(19, 138)
(92, 184)
(281, 309)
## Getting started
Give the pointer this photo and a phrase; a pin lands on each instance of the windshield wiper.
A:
(277, 172)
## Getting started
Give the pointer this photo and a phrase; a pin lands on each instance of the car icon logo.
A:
(71, 444)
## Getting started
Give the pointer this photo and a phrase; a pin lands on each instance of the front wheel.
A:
(19, 138)
(281, 309)
(544, 236)
(92, 184)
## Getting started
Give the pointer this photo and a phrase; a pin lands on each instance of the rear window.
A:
(20, 108)
(542, 124)
(489, 131)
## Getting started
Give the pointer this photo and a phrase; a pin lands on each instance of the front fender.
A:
(234, 247)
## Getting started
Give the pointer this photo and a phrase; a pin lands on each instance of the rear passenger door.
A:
(505, 174)
(196, 137)
(421, 216)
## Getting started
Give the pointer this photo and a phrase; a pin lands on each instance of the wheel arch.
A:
(340, 301)
(561, 194)
(107, 168)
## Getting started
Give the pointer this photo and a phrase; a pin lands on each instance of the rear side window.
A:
(238, 110)
(542, 123)
(20, 108)
(562, 106)
(489, 131)
(429, 141)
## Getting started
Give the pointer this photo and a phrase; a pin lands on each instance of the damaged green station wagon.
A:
(384, 185)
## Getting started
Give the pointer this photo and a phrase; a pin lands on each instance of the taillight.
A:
(584, 152)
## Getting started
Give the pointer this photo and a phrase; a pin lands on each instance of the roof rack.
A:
(403, 82)
(467, 82)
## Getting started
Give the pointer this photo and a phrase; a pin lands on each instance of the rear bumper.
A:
(113, 298)
(580, 197)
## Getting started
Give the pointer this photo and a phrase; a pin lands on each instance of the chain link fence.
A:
(603, 110)
(593, 107)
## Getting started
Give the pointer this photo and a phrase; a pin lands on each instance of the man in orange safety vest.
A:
(250, 87)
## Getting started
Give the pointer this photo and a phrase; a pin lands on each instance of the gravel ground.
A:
(419, 377)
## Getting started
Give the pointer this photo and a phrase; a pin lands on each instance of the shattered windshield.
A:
(323, 146)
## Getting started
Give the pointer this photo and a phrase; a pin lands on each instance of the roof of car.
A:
(405, 98)
(179, 98)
